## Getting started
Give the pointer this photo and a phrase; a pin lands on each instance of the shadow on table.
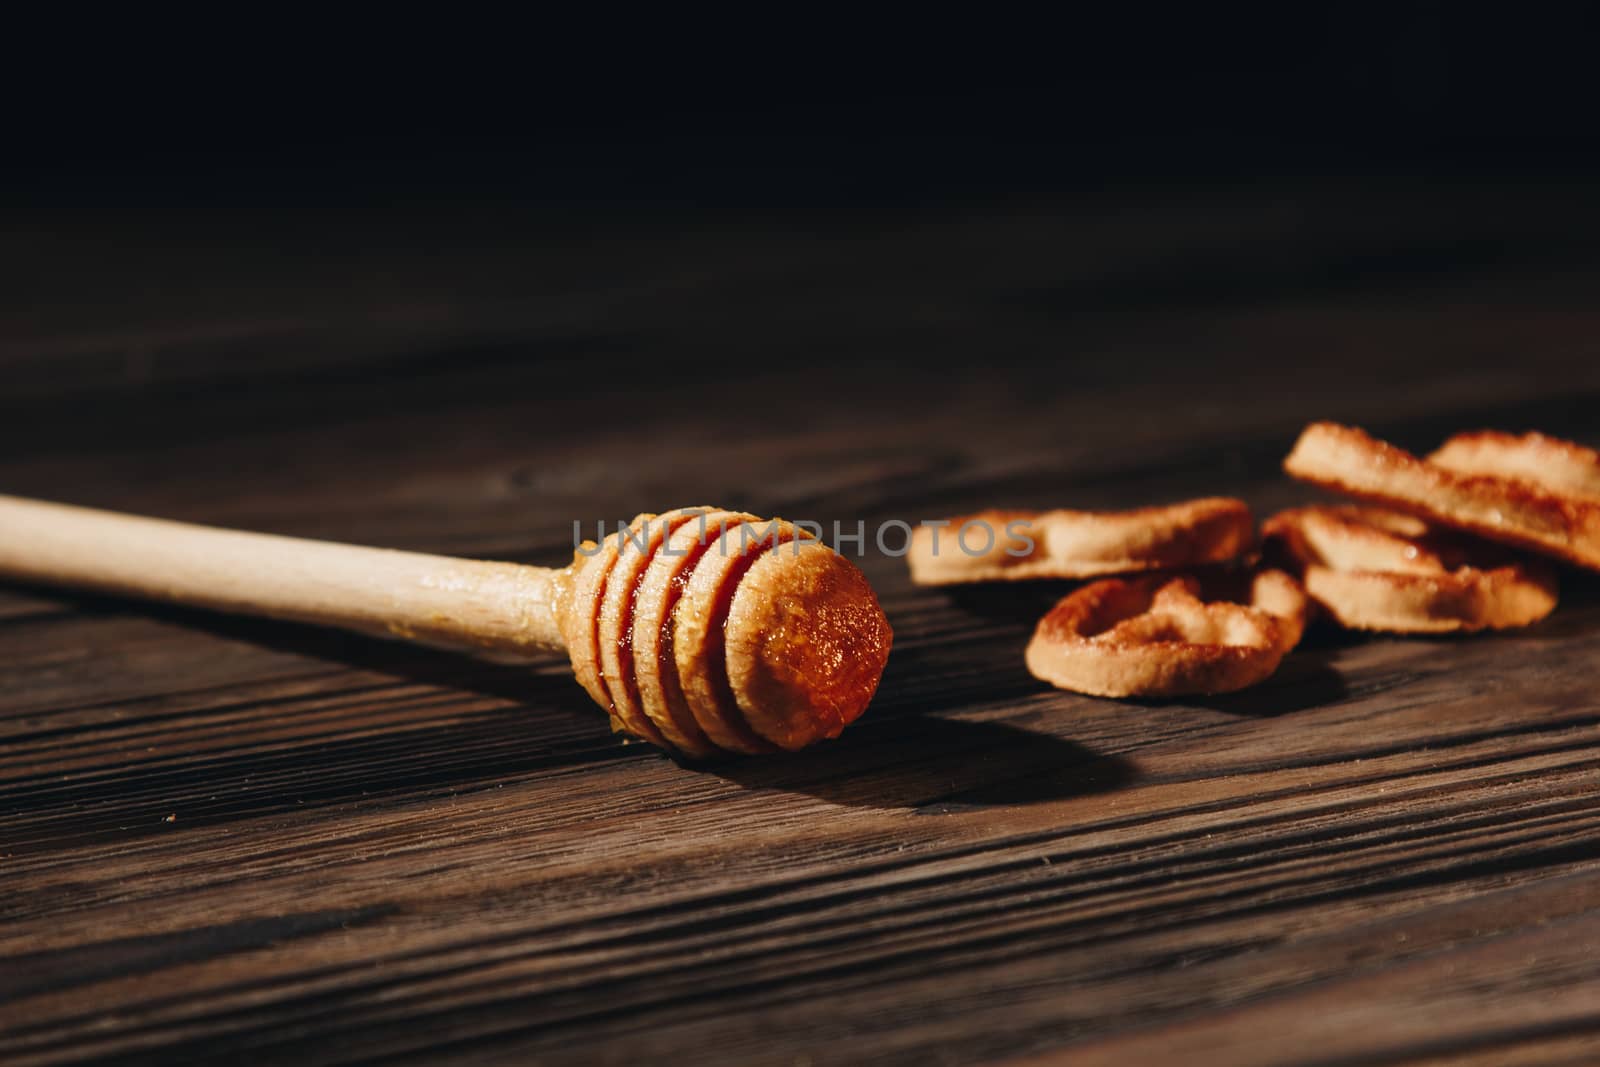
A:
(935, 765)
(930, 742)
(390, 739)
(1014, 602)
(1306, 679)
(1578, 611)
(901, 755)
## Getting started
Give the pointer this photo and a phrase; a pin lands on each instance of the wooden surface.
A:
(226, 840)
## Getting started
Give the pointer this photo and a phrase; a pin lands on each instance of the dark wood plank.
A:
(230, 839)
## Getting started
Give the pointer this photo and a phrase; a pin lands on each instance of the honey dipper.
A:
(700, 630)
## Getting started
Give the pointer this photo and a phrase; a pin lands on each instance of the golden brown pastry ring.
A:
(1373, 569)
(993, 545)
(1533, 491)
(1154, 636)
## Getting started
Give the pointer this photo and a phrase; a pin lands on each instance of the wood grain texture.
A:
(231, 840)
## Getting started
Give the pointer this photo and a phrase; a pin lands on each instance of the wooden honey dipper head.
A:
(700, 630)
(708, 631)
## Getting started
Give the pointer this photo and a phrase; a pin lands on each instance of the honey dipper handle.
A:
(500, 608)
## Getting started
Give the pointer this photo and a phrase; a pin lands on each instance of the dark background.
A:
(370, 215)
(184, 177)
(223, 227)
(817, 110)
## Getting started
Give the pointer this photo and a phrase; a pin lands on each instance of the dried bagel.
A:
(1556, 465)
(1018, 545)
(1373, 569)
(1156, 636)
(1533, 491)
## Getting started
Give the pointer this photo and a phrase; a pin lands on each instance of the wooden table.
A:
(239, 841)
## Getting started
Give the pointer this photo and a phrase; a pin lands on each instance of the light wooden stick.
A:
(700, 630)
(497, 607)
